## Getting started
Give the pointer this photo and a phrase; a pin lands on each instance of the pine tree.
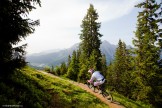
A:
(90, 43)
(57, 71)
(127, 77)
(104, 65)
(146, 50)
(119, 72)
(73, 69)
(90, 36)
(14, 25)
(118, 62)
(110, 75)
(63, 68)
(83, 75)
(69, 61)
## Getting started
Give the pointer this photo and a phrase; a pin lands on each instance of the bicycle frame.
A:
(91, 86)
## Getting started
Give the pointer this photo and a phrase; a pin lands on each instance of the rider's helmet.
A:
(91, 71)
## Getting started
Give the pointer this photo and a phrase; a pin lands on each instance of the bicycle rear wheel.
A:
(107, 95)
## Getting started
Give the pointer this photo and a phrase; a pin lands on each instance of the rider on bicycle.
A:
(96, 78)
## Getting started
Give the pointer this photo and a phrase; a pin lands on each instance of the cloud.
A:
(60, 20)
(113, 9)
(70, 13)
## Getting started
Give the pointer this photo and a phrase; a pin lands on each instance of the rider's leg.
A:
(97, 85)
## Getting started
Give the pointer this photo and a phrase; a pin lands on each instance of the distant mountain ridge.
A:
(57, 57)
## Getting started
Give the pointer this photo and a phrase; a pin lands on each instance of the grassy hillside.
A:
(28, 88)
(128, 103)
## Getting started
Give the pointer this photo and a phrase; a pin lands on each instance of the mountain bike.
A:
(101, 90)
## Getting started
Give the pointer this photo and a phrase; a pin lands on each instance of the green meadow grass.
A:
(32, 89)
(128, 103)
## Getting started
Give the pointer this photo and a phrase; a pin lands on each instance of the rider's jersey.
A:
(96, 76)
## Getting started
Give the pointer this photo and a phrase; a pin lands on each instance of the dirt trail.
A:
(83, 86)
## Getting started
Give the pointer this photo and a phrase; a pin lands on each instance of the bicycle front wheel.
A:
(108, 96)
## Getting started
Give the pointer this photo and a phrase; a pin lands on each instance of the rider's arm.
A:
(92, 79)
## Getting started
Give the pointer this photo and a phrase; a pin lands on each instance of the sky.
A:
(60, 22)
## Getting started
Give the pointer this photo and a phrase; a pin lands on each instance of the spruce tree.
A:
(104, 65)
(69, 61)
(83, 75)
(127, 77)
(90, 36)
(73, 69)
(90, 42)
(110, 75)
(14, 26)
(119, 71)
(63, 68)
(147, 50)
(118, 66)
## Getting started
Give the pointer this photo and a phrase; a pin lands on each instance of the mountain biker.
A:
(96, 78)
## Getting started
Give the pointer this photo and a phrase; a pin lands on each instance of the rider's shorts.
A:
(97, 83)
